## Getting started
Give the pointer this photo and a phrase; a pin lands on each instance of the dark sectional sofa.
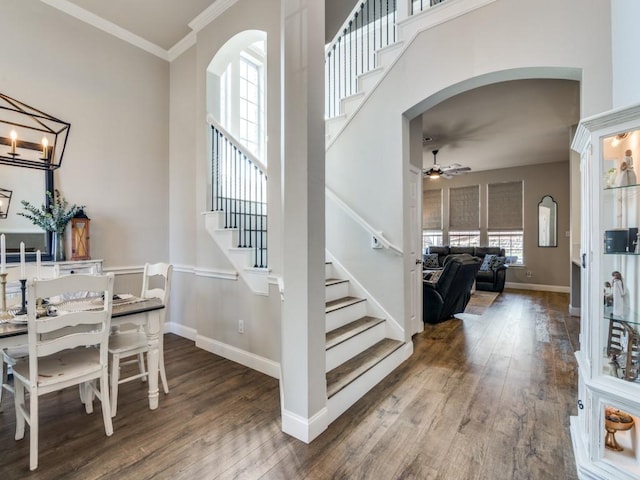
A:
(491, 280)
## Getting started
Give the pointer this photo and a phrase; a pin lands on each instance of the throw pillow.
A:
(486, 263)
(497, 262)
(430, 260)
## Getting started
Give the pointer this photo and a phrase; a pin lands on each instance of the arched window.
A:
(236, 89)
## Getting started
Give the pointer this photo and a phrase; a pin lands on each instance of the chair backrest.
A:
(68, 329)
(454, 285)
(151, 289)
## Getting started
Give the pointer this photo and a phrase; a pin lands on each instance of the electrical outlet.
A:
(528, 273)
(240, 326)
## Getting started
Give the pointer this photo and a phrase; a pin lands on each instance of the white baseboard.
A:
(304, 429)
(574, 311)
(235, 354)
(537, 287)
(181, 330)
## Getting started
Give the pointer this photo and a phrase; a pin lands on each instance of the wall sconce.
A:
(30, 138)
(5, 201)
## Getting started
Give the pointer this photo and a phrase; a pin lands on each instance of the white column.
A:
(303, 381)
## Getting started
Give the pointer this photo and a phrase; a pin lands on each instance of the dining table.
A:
(127, 310)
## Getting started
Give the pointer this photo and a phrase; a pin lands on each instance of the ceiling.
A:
(500, 125)
(507, 124)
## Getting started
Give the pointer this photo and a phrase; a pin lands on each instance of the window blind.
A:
(432, 209)
(504, 206)
(464, 208)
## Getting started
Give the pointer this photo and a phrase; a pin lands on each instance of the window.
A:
(431, 218)
(431, 239)
(464, 216)
(464, 239)
(249, 104)
(505, 218)
(242, 110)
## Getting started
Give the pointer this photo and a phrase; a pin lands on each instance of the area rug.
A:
(480, 301)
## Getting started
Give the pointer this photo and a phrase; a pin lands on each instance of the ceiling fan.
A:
(436, 171)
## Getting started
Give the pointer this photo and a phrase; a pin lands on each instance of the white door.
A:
(415, 250)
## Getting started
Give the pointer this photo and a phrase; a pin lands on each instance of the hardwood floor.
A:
(485, 397)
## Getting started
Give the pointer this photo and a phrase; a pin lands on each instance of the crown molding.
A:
(182, 46)
(210, 14)
(108, 27)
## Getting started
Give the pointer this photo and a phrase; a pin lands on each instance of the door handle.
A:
(418, 261)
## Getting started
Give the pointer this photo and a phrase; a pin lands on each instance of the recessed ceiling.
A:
(507, 124)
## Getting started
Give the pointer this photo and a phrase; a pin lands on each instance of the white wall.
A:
(116, 98)
(626, 41)
(214, 303)
(504, 40)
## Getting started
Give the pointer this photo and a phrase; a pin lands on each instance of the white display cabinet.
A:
(606, 431)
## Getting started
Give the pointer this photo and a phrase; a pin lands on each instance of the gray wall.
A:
(548, 266)
(116, 98)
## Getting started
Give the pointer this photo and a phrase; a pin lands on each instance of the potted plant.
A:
(52, 218)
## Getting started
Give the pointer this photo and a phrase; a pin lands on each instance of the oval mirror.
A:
(547, 222)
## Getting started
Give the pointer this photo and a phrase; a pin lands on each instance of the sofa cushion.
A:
(459, 250)
(430, 260)
(497, 262)
(486, 263)
(482, 251)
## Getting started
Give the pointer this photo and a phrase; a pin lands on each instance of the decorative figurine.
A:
(619, 293)
(625, 176)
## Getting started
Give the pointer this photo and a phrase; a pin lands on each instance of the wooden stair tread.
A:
(343, 375)
(334, 281)
(339, 303)
(341, 334)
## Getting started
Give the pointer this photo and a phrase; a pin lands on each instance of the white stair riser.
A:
(328, 271)
(338, 290)
(367, 81)
(385, 56)
(242, 259)
(349, 104)
(350, 348)
(353, 392)
(333, 125)
(342, 316)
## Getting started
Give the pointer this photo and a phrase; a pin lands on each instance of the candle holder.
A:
(23, 289)
(4, 314)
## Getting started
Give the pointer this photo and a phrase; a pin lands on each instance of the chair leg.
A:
(87, 396)
(18, 399)
(163, 374)
(4, 381)
(115, 378)
(33, 432)
(104, 398)
(141, 367)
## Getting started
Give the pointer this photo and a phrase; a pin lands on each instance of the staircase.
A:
(360, 350)
(238, 217)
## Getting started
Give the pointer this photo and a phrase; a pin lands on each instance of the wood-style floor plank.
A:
(482, 397)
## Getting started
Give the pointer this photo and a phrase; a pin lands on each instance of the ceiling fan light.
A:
(434, 175)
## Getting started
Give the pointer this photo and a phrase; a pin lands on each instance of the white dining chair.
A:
(11, 354)
(156, 283)
(67, 349)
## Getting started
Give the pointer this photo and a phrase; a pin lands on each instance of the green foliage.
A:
(54, 218)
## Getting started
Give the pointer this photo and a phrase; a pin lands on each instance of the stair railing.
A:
(239, 190)
(417, 6)
(357, 218)
(370, 27)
